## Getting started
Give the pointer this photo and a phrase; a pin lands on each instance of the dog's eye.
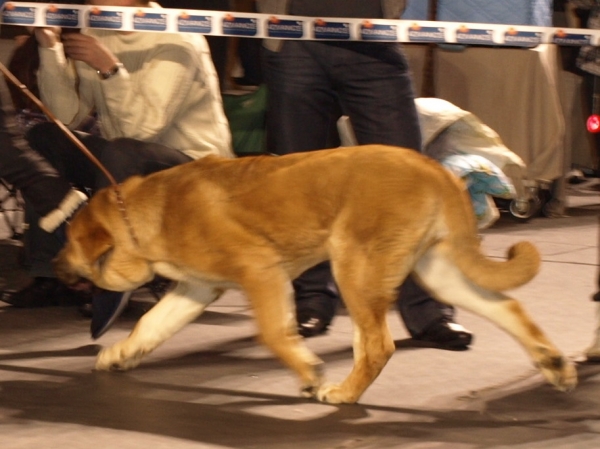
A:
(101, 261)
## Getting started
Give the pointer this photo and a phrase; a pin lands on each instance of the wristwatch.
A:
(110, 72)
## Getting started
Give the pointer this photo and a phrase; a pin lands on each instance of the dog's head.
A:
(100, 247)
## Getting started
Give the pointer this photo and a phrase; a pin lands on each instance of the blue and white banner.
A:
(220, 23)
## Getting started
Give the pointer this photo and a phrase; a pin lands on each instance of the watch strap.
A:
(110, 72)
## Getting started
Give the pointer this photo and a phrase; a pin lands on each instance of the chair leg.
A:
(12, 209)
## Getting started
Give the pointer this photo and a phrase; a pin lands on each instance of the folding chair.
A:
(12, 210)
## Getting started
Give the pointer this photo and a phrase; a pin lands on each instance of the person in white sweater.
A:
(158, 87)
(157, 103)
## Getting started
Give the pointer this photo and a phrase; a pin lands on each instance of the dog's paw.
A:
(313, 380)
(561, 373)
(309, 391)
(115, 359)
(335, 394)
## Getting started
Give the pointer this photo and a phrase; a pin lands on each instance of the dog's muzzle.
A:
(64, 271)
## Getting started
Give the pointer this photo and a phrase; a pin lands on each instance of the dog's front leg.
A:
(273, 304)
(177, 308)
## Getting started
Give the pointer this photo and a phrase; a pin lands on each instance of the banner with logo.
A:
(253, 25)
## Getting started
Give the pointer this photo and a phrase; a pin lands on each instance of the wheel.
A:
(523, 210)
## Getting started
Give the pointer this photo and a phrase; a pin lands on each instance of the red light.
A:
(593, 123)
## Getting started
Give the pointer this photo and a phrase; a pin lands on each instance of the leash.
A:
(73, 138)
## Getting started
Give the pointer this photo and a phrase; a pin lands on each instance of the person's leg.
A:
(316, 300)
(44, 290)
(375, 91)
(300, 100)
(121, 157)
(46, 195)
(125, 157)
(429, 320)
(39, 183)
(299, 118)
(43, 239)
(249, 53)
(44, 190)
(40, 248)
(71, 163)
(75, 168)
(378, 97)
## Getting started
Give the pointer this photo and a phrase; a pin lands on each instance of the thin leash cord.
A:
(121, 202)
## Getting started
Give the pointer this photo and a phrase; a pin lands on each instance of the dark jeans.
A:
(310, 85)
(38, 182)
(121, 157)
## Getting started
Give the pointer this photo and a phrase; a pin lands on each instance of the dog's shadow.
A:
(174, 397)
(175, 404)
(232, 352)
(248, 419)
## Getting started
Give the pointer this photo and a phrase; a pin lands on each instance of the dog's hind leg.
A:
(368, 297)
(445, 281)
(177, 308)
(273, 305)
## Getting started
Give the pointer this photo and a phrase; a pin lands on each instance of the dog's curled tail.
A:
(522, 265)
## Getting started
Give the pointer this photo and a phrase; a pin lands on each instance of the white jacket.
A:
(167, 93)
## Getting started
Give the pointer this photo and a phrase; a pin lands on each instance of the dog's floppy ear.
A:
(97, 244)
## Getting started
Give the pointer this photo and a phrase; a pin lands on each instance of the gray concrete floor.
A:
(213, 386)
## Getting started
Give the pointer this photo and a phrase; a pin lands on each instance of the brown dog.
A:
(378, 213)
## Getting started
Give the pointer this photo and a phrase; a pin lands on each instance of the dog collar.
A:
(123, 211)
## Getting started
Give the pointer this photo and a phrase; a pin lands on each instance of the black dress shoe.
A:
(44, 292)
(158, 288)
(445, 334)
(311, 323)
(107, 306)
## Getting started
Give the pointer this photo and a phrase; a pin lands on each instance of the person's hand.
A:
(90, 50)
(47, 37)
